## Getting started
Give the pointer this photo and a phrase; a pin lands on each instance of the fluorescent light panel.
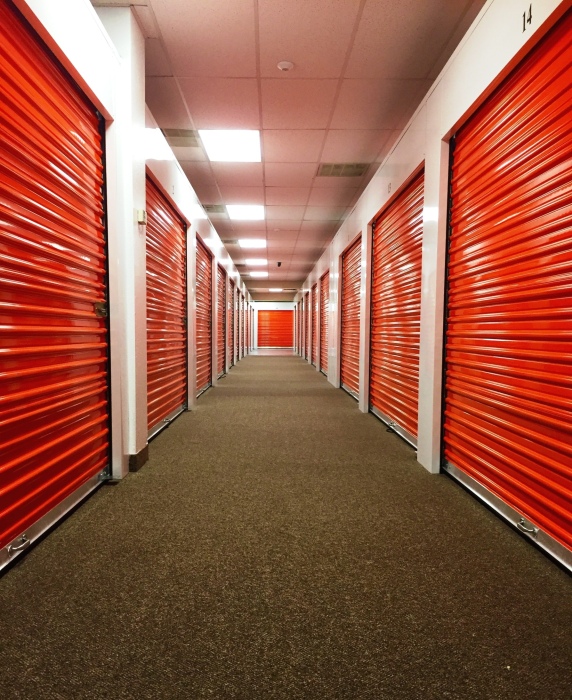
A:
(275, 289)
(256, 261)
(231, 146)
(252, 243)
(258, 273)
(245, 212)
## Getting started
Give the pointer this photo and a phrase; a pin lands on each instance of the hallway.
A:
(281, 544)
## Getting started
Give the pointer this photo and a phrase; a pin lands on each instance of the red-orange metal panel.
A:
(324, 312)
(54, 404)
(396, 310)
(166, 309)
(508, 400)
(221, 309)
(275, 328)
(231, 319)
(242, 325)
(307, 326)
(204, 331)
(315, 315)
(349, 350)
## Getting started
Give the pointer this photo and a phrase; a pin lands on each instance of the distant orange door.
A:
(350, 317)
(324, 315)
(275, 329)
(203, 325)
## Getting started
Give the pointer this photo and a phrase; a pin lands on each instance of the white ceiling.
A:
(360, 69)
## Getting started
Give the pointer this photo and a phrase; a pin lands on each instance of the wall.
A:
(491, 48)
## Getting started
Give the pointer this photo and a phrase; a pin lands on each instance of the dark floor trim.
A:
(138, 460)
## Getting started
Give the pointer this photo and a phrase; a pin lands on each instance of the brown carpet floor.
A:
(280, 544)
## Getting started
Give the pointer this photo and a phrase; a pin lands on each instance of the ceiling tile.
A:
(156, 60)
(198, 172)
(282, 235)
(248, 174)
(189, 26)
(222, 103)
(319, 228)
(328, 197)
(287, 195)
(354, 146)
(278, 225)
(314, 35)
(324, 213)
(166, 104)
(290, 174)
(297, 104)
(293, 213)
(252, 229)
(373, 104)
(207, 194)
(186, 153)
(292, 145)
(242, 195)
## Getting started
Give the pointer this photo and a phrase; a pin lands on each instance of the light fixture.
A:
(232, 146)
(245, 212)
(285, 66)
(258, 273)
(256, 261)
(275, 289)
(252, 243)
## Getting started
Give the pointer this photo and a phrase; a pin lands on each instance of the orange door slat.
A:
(508, 374)
(396, 311)
(275, 328)
(204, 310)
(54, 393)
(166, 309)
(221, 309)
(349, 350)
(324, 311)
(230, 316)
(315, 313)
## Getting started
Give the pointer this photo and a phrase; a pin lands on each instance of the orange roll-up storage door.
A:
(324, 315)
(275, 329)
(396, 311)
(54, 400)
(349, 350)
(508, 396)
(307, 326)
(221, 318)
(166, 310)
(231, 317)
(203, 325)
(242, 325)
(247, 328)
(315, 314)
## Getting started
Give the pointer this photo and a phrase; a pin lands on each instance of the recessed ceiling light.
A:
(245, 212)
(232, 146)
(275, 289)
(256, 261)
(258, 273)
(252, 243)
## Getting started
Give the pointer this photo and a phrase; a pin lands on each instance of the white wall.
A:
(490, 49)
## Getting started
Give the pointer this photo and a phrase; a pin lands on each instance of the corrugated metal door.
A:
(237, 322)
(508, 397)
(275, 328)
(242, 325)
(396, 311)
(54, 403)
(231, 317)
(307, 326)
(315, 314)
(247, 331)
(221, 319)
(166, 311)
(299, 328)
(203, 323)
(350, 319)
(324, 314)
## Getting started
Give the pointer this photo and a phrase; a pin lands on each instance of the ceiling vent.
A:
(181, 138)
(214, 208)
(342, 169)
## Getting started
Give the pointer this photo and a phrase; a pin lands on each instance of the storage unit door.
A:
(237, 321)
(508, 396)
(221, 318)
(166, 310)
(315, 313)
(54, 402)
(275, 329)
(247, 329)
(324, 313)
(396, 311)
(230, 328)
(350, 319)
(242, 325)
(203, 322)
(307, 326)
